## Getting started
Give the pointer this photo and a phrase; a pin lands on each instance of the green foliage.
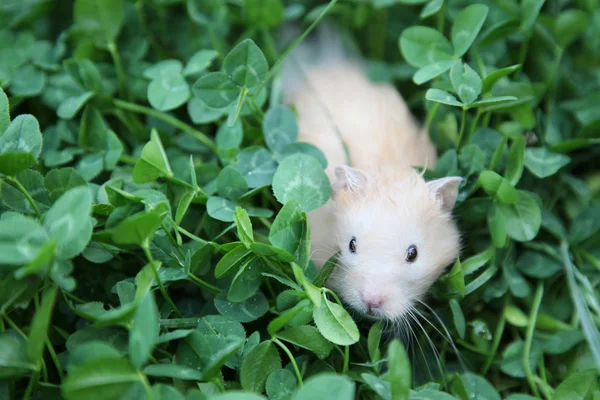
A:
(154, 240)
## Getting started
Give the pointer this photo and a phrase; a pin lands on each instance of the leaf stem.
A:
(15, 182)
(346, 359)
(121, 76)
(159, 281)
(136, 108)
(535, 307)
(497, 336)
(179, 323)
(204, 284)
(461, 131)
(291, 357)
(34, 377)
(172, 239)
(331, 292)
(147, 387)
(55, 359)
(431, 116)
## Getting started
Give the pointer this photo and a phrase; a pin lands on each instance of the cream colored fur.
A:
(383, 203)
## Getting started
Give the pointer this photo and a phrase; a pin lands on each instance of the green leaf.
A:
(432, 70)
(258, 365)
(59, 181)
(585, 225)
(478, 387)
(21, 239)
(163, 68)
(515, 316)
(231, 184)
(28, 81)
(431, 8)
(455, 281)
(168, 92)
(280, 128)
(399, 373)
(33, 182)
(22, 136)
(4, 112)
(143, 336)
(153, 163)
(250, 310)
(102, 379)
(374, 340)
(543, 163)
(493, 77)
(173, 371)
(326, 270)
(101, 20)
(523, 218)
(301, 177)
(497, 225)
(304, 148)
(281, 384)
(570, 24)
(530, 10)
(14, 361)
(71, 105)
(440, 96)
(246, 64)
(512, 359)
(498, 187)
(40, 325)
(493, 102)
(516, 161)
(335, 324)
(459, 318)
(326, 386)
(466, 27)
(421, 46)
(69, 222)
(265, 13)
(578, 386)
(286, 231)
(220, 208)
(244, 226)
(237, 395)
(246, 281)
(163, 392)
(537, 265)
(307, 337)
(257, 165)
(200, 61)
(466, 82)
(216, 90)
(231, 260)
(137, 229)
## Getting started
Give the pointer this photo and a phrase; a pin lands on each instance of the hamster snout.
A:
(373, 303)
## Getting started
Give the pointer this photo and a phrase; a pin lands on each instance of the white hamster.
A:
(395, 231)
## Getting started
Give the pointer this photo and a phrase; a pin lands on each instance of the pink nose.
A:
(373, 302)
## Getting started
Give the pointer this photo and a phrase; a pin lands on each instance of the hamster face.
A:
(396, 235)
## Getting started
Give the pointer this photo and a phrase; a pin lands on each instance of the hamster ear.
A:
(350, 179)
(445, 190)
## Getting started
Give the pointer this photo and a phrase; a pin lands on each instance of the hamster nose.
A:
(373, 302)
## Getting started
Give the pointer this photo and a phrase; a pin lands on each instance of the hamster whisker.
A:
(447, 336)
(436, 353)
(414, 318)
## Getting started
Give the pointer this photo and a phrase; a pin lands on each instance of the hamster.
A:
(395, 231)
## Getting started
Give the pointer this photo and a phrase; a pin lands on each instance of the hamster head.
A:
(396, 236)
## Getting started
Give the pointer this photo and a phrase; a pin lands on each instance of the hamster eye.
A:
(411, 253)
(352, 246)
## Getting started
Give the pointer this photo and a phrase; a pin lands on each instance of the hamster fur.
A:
(380, 203)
